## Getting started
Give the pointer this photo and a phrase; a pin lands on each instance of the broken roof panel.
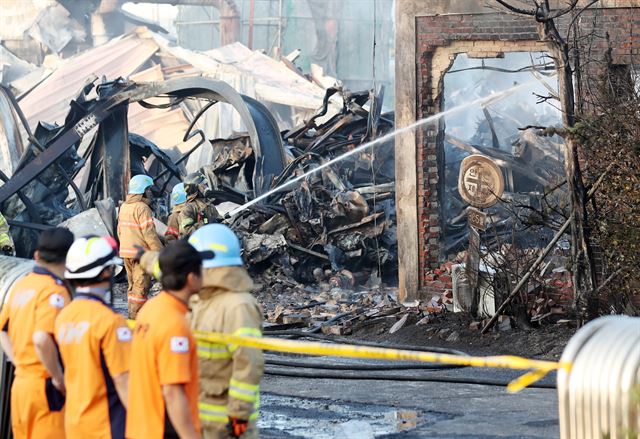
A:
(18, 16)
(49, 101)
(55, 28)
(265, 79)
(276, 82)
(12, 67)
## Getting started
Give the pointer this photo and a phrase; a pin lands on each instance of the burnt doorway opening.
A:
(532, 165)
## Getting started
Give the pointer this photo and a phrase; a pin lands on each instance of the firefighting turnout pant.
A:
(214, 416)
(37, 409)
(139, 285)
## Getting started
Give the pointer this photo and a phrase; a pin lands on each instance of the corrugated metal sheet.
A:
(49, 101)
(254, 74)
(274, 81)
(18, 15)
(249, 72)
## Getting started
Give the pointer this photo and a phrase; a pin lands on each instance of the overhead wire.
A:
(373, 110)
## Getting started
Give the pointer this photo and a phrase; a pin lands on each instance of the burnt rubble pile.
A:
(534, 194)
(339, 220)
(176, 114)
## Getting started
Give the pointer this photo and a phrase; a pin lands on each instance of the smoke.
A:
(520, 109)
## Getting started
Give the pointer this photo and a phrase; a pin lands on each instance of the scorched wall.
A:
(428, 37)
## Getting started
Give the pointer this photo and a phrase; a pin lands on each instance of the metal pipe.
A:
(280, 26)
(596, 396)
(252, 6)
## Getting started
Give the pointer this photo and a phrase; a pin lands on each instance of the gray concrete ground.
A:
(322, 408)
(359, 409)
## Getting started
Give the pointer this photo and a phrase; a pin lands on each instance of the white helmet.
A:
(88, 256)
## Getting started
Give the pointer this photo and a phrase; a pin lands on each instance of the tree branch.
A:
(573, 21)
(531, 12)
(562, 12)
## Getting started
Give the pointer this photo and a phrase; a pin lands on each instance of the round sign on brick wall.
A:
(480, 182)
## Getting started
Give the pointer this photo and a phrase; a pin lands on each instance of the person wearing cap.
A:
(163, 382)
(6, 242)
(229, 375)
(198, 210)
(27, 323)
(94, 344)
(136, 229)
(178, 199)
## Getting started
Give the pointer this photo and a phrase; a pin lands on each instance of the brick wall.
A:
(438, 40)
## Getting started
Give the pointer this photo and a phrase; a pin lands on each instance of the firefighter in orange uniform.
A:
(94, 344)
(27, 322)
(178, 200)
(163, 384)
(137, 229)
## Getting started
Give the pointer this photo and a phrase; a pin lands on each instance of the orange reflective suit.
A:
(94, 345)
(136, 228)
(163, 352)
(32, 306)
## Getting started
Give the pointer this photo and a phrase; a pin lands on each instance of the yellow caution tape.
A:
(526, 380)
(539, 368)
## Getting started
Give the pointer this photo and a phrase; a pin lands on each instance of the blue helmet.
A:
(178, 194)
(139, 183)
(221, 241)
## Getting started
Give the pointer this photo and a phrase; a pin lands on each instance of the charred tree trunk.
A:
(584, 279)
(584, 274)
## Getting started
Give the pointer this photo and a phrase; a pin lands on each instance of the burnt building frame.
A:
(429, 34)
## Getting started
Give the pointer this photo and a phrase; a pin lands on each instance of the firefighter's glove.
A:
(237, 427)
(139, 252)
(7, 250)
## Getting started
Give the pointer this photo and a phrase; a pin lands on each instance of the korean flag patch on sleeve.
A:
(56, 300)
(123, 334)
(179, 344)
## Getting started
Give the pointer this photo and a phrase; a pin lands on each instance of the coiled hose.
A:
(368, 371)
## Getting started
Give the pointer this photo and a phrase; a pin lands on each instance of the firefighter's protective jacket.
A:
(196, 213)
(5, 236)
(229, 375)
(173, 224)
(136, 227)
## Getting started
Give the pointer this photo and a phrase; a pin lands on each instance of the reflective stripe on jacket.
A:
(5, 237)
(196, 213)
(136, 227)
(229, 375)
(173, 226)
